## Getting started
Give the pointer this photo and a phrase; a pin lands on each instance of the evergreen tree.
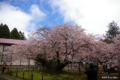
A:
(7, 31)
(22, 36)
(1, 30)
(15, 34)
(112, 31)
(108, 40)
(4, 31)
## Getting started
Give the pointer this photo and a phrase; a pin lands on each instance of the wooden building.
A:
(4, 44)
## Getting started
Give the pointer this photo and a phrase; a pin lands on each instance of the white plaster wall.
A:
(32, 62)
(16, 62)
(1, 49)
(23, 62)
(8, 63)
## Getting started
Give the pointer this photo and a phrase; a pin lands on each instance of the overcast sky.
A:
(27, 15)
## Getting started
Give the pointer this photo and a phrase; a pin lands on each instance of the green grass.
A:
(84, 66)
(64, 75)
(119, 68)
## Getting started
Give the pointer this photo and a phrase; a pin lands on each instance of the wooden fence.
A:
(9, 72)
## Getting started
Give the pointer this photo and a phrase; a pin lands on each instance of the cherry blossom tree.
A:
(58, 46)
(101, 52)
(54, 46)
(115, 49)
(106, 53)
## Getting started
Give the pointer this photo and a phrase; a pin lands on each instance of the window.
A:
(9, 58)
(5, 58)
(6, 47)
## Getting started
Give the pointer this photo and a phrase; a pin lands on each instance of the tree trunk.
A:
(71, 65)
(68, 66)
(28, 65)
(61, 66)
(79, 69)
(85, 65)
(50, 64)
(58, 61)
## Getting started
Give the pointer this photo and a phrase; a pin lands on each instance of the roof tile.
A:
(12, 41)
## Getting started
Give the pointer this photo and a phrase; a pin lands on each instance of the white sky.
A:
(93, 15)
(14, 17)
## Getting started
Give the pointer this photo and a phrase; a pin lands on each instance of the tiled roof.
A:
(12, 41)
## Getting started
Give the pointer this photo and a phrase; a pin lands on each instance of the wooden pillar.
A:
(8, 70)
(11, 59)
(32, 77)
(20, 62)
(23, 75)
(29, 61)
(1, 58)
(17, 73)
(2, 55)
(42, 77)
